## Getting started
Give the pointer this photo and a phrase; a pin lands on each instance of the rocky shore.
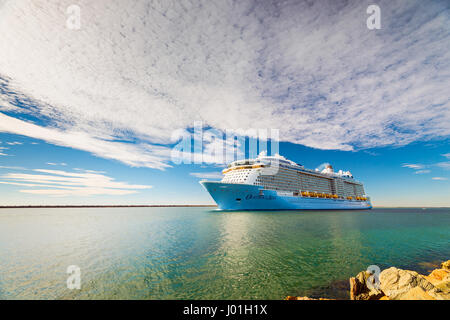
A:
(398, 284)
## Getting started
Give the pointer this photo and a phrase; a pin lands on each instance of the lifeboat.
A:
(305, 194)
(349, 198)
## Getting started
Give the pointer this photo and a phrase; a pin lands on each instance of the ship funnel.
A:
(328, 169)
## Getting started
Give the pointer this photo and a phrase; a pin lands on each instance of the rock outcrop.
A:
(398, 284)
(440, 278)
(359, 290)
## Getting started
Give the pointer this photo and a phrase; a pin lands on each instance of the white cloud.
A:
(444, 165)
(131, 154)
(1, 151)
(65, 183)
(56, 164)
(413, 166)
(207, 175)
(439, 178)
(419, 167)
(137, 71)
(422, 171)
(447, 155)
(12, 168)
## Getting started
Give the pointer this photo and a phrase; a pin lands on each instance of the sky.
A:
(91, 115)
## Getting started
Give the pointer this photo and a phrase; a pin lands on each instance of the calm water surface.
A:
(199, 253)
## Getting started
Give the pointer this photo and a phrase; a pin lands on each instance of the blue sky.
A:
(90, 116)
(414, 175)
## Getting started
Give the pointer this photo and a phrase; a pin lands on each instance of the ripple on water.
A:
(196, 253)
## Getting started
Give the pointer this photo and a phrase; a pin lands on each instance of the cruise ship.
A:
(276, 183)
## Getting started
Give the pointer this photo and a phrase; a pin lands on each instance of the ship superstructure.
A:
(274, 182)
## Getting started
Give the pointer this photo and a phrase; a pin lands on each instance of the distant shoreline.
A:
(113, 206)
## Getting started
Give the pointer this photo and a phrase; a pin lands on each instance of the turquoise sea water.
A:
(199, 253)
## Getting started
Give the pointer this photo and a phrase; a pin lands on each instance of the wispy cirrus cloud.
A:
(136, 72)
(439, 178)
(421, 168)
(422, 171)
(66, 183)
(1, 151)
(103, 146)
(413, 166)
(207, 175)
(57, 164)
(444, 165)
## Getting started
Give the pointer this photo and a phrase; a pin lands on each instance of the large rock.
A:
(416, 293)
(397, 284)
(440, 278)
(438, 275)
(359, 289)
(400, 284)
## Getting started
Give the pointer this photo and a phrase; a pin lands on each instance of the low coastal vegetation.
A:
(398, 284)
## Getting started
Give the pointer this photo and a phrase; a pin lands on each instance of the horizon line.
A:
(163, 206)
